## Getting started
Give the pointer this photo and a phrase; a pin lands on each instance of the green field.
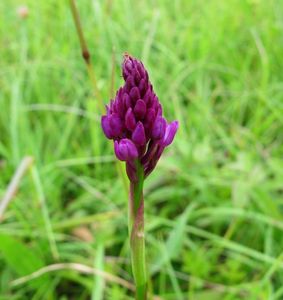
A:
(213, 205)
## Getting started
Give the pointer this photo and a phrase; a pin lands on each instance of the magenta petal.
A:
(125, 150)
(119, 93)
(128, 65)
(149, 121)
(141, 70)
(120, 106)
(105, 124)
(130, 120)
(159, 128)
(150, 116)
(147, 97)
(134, 94)
(116, 125)
(137, 77)
(117, 151)
(129, 83)
(138, 136)
(127, 100)
(142, 87)
(140, 109)
(159, 109)
(170, 132)
(125, 74)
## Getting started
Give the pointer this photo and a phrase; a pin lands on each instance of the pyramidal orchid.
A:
(135, 122)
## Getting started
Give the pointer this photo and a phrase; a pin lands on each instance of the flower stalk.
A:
(135, 122)
(137, 237)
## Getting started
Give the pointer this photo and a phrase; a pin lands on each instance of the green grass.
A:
(214, 204)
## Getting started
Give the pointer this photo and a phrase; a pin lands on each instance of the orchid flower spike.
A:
(135, 122)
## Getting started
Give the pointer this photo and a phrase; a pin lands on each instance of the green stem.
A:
(136, 230)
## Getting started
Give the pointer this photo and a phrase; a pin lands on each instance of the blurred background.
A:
(214, 204)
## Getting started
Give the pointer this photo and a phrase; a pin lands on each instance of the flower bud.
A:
(170, 132)
(130, 120)
(134, 94)
(116, 125)
(138, 136)
(105, 123)
(125, 150)
(112, 125)
(159, 128)
(140, 109)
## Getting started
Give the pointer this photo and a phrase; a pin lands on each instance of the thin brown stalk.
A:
(86, 53)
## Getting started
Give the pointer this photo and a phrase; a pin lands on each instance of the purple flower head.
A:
(135, 122)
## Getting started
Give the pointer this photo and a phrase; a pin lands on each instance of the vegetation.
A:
(213, 206)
